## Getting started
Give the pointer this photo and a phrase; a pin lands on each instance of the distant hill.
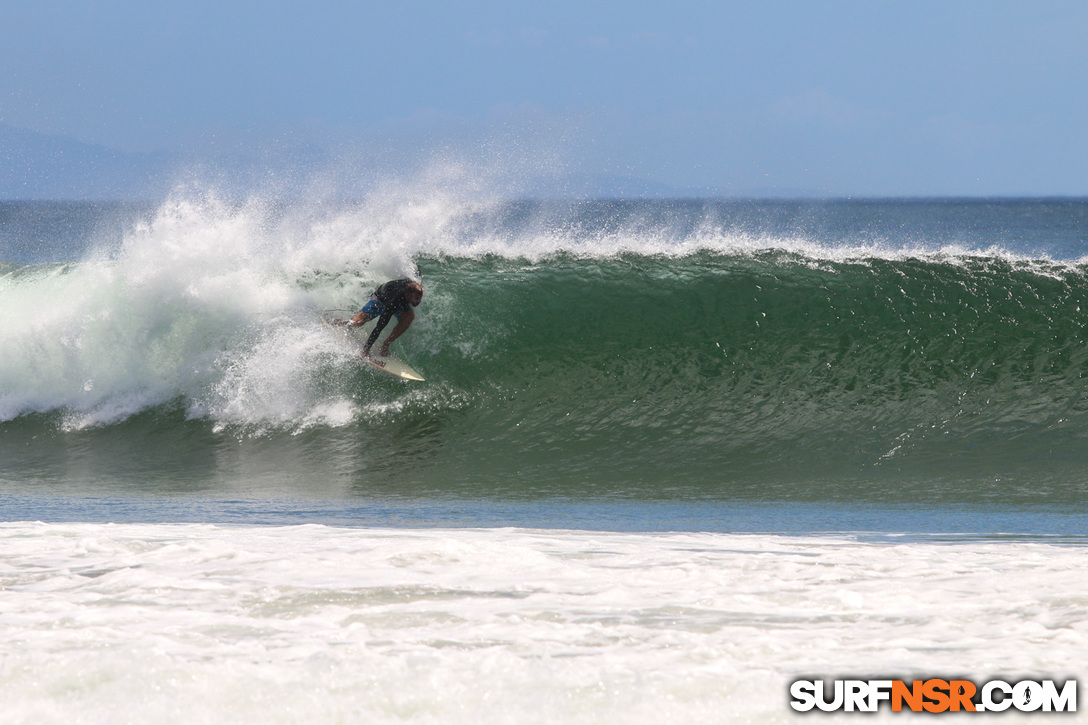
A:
(610, 186)
(35, 166)
(39, 166)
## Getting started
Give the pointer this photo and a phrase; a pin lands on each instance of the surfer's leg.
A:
(370, 310)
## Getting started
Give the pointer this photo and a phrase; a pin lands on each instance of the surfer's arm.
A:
(403, 323)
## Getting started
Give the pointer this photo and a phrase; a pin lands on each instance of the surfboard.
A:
(390, 365)
(394, 366)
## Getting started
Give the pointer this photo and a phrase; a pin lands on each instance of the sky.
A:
(778, 97)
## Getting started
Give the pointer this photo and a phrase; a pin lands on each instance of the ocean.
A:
(670, 456)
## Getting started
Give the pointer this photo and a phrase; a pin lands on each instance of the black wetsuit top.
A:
(393, 296)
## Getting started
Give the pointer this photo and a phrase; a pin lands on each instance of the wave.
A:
(636, 356)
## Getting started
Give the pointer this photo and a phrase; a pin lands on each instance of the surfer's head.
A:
(414, 294)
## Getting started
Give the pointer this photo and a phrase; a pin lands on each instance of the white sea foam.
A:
(202, 302)
(198, 623)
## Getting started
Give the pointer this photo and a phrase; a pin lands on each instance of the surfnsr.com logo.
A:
(934, 695)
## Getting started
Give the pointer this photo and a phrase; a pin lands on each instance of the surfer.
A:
(392, 299)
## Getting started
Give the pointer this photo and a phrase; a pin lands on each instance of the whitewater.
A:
(669, 457)
(197, 623)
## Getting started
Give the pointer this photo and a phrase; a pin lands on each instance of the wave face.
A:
(664, 354)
